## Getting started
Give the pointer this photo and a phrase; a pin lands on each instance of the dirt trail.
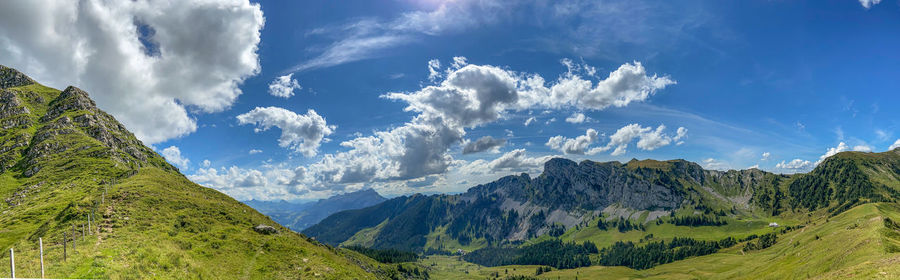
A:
(105, 227)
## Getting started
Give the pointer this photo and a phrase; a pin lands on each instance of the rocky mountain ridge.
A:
(569, 194)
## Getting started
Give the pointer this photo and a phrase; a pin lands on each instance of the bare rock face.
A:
(13, 112)
(13, 78)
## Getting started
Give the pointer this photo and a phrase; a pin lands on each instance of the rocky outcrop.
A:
(70, 124)
(264, 229)
(10, 77)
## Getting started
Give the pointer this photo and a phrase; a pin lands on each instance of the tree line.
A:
(386, 255)
(660, 252)
(554, 252)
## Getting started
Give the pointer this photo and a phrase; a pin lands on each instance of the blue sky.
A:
(776, 85)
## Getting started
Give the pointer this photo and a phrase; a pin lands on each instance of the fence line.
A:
(86, 230)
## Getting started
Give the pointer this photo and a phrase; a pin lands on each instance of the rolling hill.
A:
(63, 161)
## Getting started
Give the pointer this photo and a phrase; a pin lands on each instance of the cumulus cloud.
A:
(895, 145)
(711, 163)
(766, 156)
(138, 58)
(301, 133)
(173, 155)
(284, 86)
(576, 118)
(513, 161)
(869, 3)
(206, 163)
(576, 146)
(795, 165)
(486, 143)
(255, 151)
(648, 139)
(469, 96)
(267, 182)
(863, 148)
(517, 160)
(842, 147)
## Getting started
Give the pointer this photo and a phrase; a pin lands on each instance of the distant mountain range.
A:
(299, 216)
(571, 195)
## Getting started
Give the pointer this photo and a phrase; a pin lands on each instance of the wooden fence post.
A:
(82, 232)
(73, 238)
(41, 243)
(89, 222)
(12, 263)
(64, 246)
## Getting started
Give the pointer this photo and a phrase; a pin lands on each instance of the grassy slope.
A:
(850, 245)
(160, 225)
(154, 224)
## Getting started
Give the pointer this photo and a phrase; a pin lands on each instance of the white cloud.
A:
(517, 160)
(833, 151)
(863, 148)
(869, 3)
(766, 156)
(486, 143)
(842, 147)
(368, 37)
(513, 161)
(576, 146)
(301, 133)
(715, 164)
(434, 67)
(895, 145)
(138, 58)
(576, 118)
(255, 151)
(629, 83)
(284, 86)
(530, 120)
(795, 165)
(173, 155)
(648, 139)
(469, 96)
(206, 163)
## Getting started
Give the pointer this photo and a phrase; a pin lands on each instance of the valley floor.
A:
(856, 244)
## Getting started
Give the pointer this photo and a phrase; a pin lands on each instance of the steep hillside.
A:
(63, 161)
(848, 179)
(299, 216)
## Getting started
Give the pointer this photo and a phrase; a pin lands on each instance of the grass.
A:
(163, 226)
(847, 246)
(735, 228)
(154, 222)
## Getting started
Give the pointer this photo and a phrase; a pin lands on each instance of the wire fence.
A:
(59, 248)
